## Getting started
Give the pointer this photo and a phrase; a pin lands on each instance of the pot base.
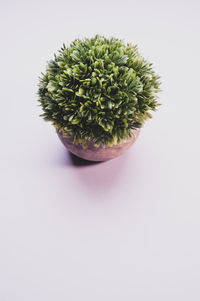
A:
(98, 153)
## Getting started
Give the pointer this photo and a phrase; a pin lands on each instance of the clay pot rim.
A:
(101, 145)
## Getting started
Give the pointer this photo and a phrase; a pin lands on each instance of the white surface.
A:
(123, 230)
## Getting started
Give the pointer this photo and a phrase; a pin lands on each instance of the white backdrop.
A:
(123, 230)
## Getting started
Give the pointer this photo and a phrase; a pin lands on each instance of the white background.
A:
(122, 230)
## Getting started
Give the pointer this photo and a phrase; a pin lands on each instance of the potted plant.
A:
(98, 93)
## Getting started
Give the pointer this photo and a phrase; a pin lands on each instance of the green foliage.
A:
(98, 89)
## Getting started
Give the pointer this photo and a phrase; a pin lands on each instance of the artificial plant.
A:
(98, 89)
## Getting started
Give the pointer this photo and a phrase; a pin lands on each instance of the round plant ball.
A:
(98, 92)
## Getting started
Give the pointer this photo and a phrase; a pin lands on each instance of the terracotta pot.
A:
(100, 153)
